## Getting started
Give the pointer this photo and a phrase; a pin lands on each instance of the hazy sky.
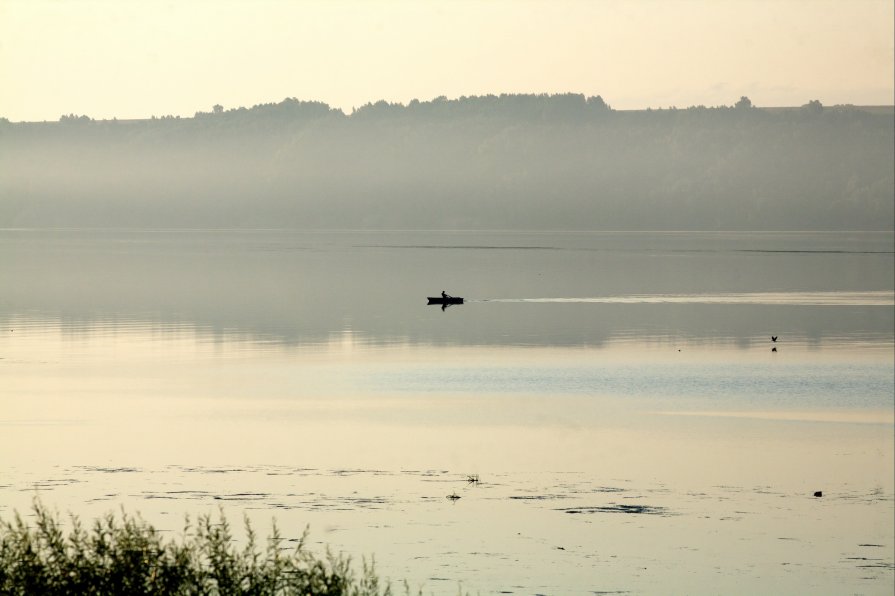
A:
(132, 59)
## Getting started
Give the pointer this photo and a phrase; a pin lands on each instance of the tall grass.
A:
(125, 555)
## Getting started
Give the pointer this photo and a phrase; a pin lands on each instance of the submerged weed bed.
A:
(124, 554)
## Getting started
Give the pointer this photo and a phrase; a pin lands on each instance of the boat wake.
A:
(868, 298)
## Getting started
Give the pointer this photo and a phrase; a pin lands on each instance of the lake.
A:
(618, 396)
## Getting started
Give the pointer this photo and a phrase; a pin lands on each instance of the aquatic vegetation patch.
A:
(124, 554)
(614, 508)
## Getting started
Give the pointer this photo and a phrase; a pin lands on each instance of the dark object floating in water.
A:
(773, 338)
(448, 300)
(472, 478)
(819, 493)
(774, 349)
(629, 509)
(453, 496)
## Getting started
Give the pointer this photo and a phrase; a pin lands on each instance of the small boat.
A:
(448, 300)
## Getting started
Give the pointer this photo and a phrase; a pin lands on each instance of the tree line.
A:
(487, 162)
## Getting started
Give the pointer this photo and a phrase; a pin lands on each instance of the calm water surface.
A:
(616, 394)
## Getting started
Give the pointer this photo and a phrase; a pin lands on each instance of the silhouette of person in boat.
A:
(444, 295)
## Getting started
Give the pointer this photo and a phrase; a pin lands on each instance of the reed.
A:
(123, 554)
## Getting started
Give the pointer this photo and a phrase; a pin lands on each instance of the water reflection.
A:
(853, 371)
(624, 380)
(300, 288)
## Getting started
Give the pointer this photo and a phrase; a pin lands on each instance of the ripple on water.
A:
(619, 508)
(51, 483)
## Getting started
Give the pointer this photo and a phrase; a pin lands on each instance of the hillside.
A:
(509, 162)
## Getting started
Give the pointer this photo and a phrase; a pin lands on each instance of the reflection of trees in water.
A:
(557, 289)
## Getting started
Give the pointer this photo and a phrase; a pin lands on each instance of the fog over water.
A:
(492, 162)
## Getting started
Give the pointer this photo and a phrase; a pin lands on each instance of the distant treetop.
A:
(814, 106)
(288, 108)
(743, 104)
(526, 106)
(558, 107)
(74, 118)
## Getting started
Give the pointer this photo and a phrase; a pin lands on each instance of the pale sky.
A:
(135, 59)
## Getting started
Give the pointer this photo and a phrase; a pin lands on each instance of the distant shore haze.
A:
(558, 162)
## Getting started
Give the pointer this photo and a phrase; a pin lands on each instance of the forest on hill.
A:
(562, 162)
